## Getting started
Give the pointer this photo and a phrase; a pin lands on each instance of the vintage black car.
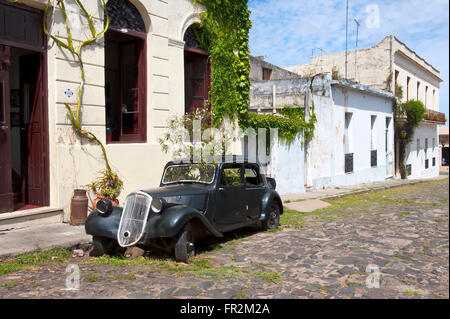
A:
(193, 201)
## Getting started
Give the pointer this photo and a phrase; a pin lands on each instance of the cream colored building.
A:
(387, 65)
(135, 81)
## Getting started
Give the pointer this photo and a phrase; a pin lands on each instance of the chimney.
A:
(260, 58)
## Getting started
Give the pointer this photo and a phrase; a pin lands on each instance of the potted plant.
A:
(108, 185)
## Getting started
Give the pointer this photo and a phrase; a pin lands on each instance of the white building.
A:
(388, 65)
(135, 81)
(353, 140)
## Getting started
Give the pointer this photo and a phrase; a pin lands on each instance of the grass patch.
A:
(363, 204)
(412, 292)
(323, 288)
(240, 295)
(33, 259)
(199, 267)
(353, 284)
(92, 277)
(270, 276)
(130, 276)
(8, 284)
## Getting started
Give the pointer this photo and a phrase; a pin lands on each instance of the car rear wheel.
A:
(185, 245)
(273, 218)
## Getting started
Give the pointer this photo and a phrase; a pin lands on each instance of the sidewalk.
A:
(44, 237)
(39, 238)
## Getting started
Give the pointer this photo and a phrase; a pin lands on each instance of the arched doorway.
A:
(197, 72)
(125, 74)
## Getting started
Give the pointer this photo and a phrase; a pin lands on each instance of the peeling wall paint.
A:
(320, 163)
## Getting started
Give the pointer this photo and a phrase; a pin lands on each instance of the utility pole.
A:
(346, 40)
(356, 51)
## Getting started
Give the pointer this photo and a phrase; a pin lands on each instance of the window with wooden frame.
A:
(418, 90)
(125, 74)
(266, 74)
(197, 73)
(408, 80)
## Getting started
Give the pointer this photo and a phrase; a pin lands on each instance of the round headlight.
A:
(104, 206)
(157, 205)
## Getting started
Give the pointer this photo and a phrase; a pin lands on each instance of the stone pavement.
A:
(36, 238)
(389, 244)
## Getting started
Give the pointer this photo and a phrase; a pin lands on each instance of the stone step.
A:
(31, 217)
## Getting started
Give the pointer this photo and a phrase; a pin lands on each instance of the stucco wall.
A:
(416, 156)
(323, 163)
(138, 164)
(372, 67)
(256, 70)
(363, 106)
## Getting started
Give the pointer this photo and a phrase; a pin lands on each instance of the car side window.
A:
(231, 176)
(252, 178)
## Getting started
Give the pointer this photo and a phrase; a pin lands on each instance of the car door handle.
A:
(220, 189)
(4, 127)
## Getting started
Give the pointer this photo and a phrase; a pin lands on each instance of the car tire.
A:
(185, 244)
(101, 246)
(272, 220)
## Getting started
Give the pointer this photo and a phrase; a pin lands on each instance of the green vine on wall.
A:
(77, 53)
(289, 125)
(224, 33)
(408, 115)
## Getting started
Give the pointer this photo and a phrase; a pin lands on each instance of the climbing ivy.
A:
(408, 115)
(289, 125)
(224, 33)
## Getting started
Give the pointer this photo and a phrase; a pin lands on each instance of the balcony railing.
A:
(434, 116)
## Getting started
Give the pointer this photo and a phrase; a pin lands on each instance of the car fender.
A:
(172, 219)
(103, 226)
(267, 199)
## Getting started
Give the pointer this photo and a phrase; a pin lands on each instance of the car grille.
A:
(134, 218)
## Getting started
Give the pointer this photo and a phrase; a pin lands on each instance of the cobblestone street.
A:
(402, 232)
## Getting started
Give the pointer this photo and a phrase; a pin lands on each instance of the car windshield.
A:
(189, 173)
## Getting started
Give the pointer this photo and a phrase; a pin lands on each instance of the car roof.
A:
(217, 160)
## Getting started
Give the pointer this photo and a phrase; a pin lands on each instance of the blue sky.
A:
(285, 31)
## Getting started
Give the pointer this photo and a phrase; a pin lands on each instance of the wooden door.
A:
(197, 80)
(33, 129)
(6, 194)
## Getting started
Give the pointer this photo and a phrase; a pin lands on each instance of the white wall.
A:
(327, 160)
(325, 165)
(407, 68)
(416, 157)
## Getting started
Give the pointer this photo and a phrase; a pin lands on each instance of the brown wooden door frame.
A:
(6, 194)
(35, 41)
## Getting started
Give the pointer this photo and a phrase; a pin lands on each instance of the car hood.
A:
(177, 190)
(194, 195)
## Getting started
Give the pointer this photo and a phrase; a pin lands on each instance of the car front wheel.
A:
(185, 245)
(102, 246)
(273, 218)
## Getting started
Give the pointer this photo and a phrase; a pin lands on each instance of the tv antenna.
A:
(356, 51)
